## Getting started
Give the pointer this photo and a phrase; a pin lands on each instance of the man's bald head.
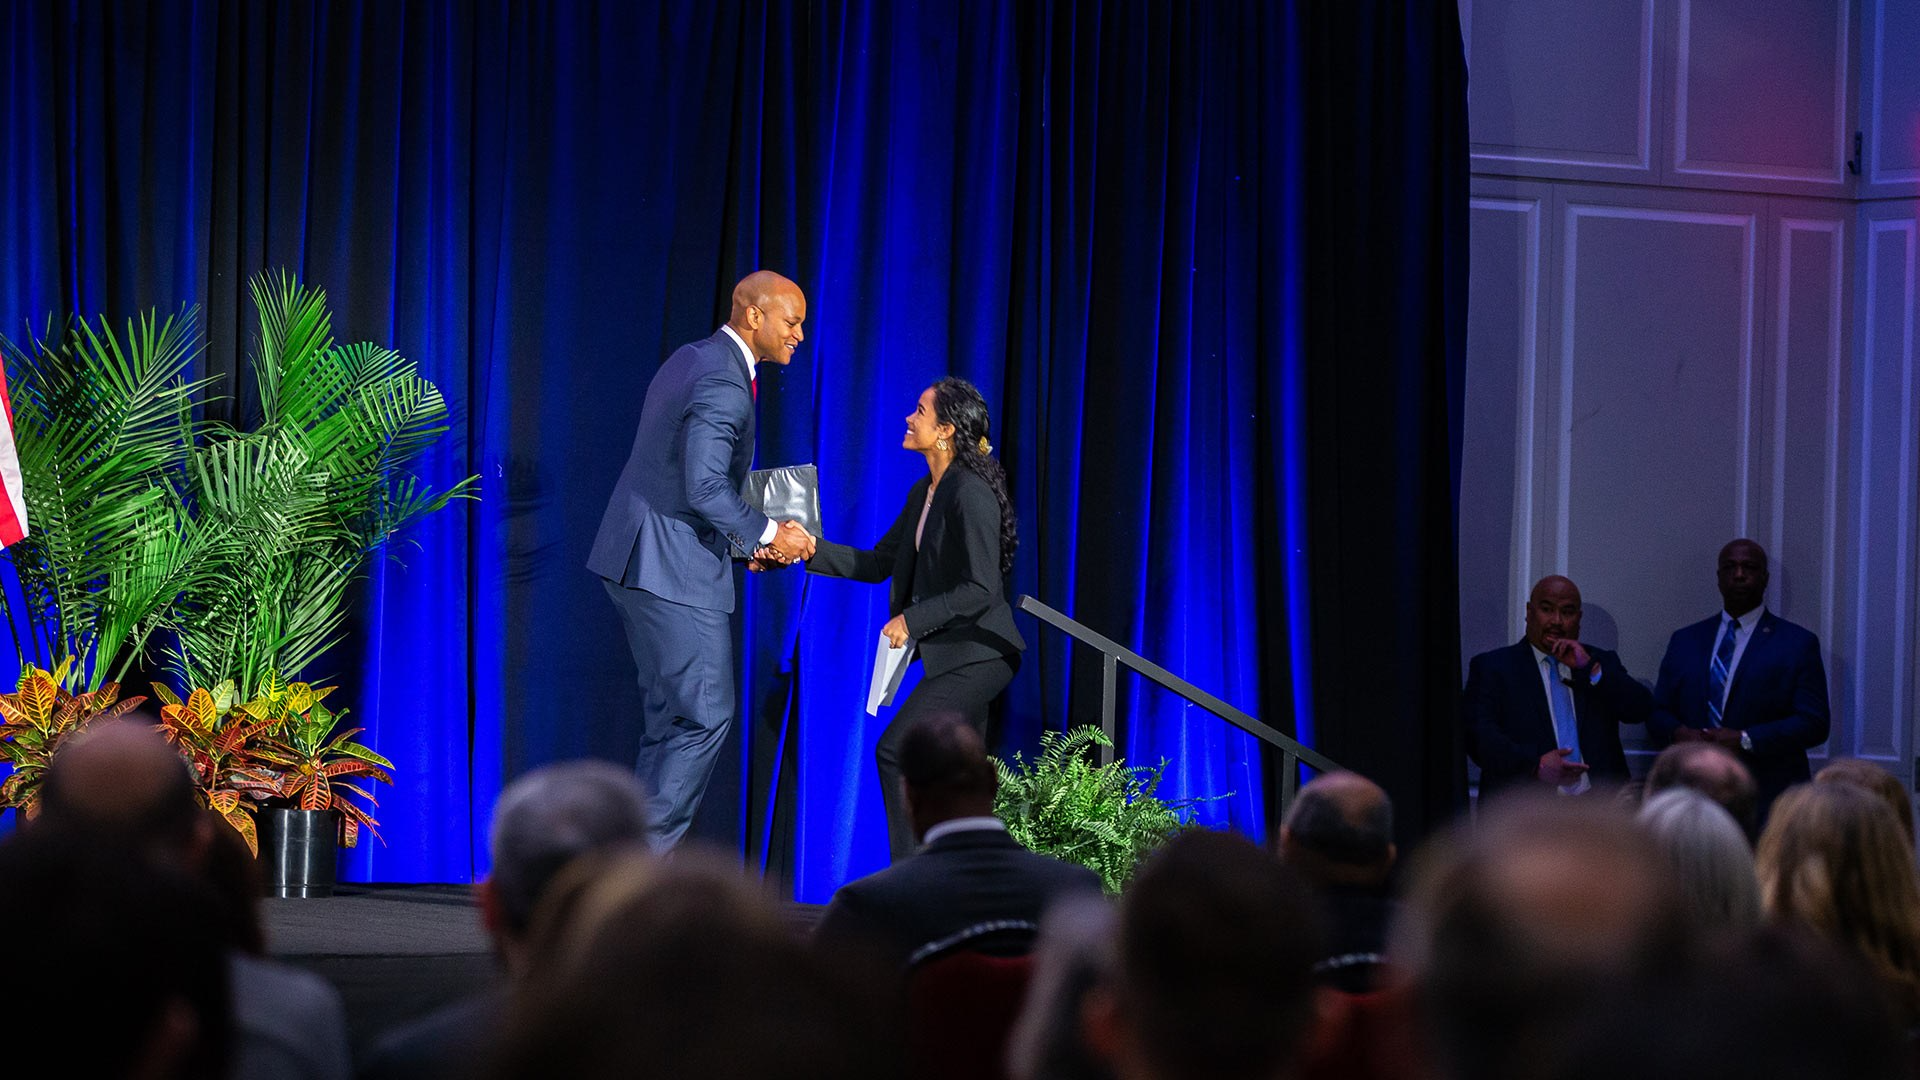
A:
(767, 313)
(122, 779)
(1340, 831)
(1553, 612)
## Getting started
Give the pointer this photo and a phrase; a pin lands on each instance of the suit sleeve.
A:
(1629, 702)
(875, 565)
(1664, 720)
(716, 420)
(976, 514)
(1809, 722)
(1487, 741)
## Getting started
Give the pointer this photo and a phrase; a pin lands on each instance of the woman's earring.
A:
(941, 443)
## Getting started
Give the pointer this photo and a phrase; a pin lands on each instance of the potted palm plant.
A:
(229, 550)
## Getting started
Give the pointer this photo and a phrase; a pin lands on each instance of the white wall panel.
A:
(1882, 653)
(1892, 96)
(1497, 531)
(1654, 392)
(1761, 91)
(1560, 87)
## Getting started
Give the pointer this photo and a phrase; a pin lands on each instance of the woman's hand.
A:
(895, 631)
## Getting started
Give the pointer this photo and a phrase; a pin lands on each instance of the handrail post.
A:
(1109, 682)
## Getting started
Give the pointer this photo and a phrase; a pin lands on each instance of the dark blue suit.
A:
(1778, 697)
(1509, 723)
(664, 548)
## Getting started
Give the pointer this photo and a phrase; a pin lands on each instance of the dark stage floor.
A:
(396, 952)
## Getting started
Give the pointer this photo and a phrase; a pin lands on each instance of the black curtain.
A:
(1387, 188)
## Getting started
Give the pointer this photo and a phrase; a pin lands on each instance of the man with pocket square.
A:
(665, 545)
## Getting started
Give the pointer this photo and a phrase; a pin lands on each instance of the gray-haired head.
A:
(550, 816)
(1709, 855)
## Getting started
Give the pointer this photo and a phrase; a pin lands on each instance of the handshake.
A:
(791, 543)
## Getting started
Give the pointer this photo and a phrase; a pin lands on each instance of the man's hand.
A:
(1725, 736)
(790, 543)
(1556, 769)
(1688, 734)
(763, 561)
(1573, 654)
(895, 631)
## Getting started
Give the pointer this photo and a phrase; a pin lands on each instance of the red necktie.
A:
(753, 387)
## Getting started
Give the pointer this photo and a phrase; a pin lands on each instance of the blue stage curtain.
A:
(1094, 210)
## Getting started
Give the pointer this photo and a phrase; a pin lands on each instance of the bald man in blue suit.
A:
(666, 542)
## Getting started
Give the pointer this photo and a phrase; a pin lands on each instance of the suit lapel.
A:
(725, 341)
(1757, 648)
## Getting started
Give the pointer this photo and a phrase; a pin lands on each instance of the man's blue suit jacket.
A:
(1778, 697)
(1509, 724)
(676, 516)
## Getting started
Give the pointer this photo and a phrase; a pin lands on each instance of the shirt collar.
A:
(963, 824)
(1541, 657)
(744, 351)
(1746, 621)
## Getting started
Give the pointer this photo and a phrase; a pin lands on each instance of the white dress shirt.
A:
(1564, 673)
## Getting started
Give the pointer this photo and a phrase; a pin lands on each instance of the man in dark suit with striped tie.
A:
(1545, 712)
(1746, 679)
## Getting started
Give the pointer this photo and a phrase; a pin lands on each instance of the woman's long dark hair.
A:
(956, 402)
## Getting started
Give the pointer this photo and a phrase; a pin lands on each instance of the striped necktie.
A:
(1720, 672)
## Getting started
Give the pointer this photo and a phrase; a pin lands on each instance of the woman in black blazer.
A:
(947, 556)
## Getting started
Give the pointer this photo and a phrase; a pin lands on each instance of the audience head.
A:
(1217, 944)
(1742, 576)
(1339, 831)
(680, 967)
(544, 820)
(1834, 859)
(1074, 954)
(130, 948)
(1513, 929)
(944, 765)
(121, 781)
(1709, 857)
(1553, 612)
(1765, 1004)
(1714, 772)
(1873, 778)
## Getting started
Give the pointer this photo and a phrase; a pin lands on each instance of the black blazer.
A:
(950, 590)
(958, 881)
(1778, 697)
(1510, 725)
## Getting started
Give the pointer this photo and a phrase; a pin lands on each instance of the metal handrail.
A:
(1113, 654)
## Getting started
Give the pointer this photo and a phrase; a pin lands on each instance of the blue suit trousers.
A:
(685, 658)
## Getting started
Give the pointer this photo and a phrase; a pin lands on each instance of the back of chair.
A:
(962, 1002)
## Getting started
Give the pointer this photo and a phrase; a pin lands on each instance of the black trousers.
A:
(967, 690)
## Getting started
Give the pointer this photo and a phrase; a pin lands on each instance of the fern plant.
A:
(1103, 817)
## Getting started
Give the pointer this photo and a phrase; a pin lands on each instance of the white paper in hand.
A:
(889, 667)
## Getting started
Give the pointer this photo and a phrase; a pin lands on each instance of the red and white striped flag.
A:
(13, 510)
